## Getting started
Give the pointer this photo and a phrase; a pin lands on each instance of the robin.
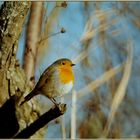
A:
(56, 81)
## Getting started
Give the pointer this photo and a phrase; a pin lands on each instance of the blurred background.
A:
(102, 38)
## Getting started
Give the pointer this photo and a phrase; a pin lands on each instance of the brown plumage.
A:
(57, 80)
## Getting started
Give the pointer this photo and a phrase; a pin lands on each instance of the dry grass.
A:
(90, 32)
(99, 81)
(80, 57)
(121, 91)
(109, 76)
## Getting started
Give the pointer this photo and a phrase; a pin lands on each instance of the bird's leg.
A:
(54, 101)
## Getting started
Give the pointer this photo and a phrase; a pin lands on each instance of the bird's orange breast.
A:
(66, 75)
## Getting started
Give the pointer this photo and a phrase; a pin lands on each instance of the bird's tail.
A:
(28, 97)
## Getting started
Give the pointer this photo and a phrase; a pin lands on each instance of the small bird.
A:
(56, 81)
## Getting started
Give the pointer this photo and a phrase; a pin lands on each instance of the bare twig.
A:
(120, 93)
(54, 34)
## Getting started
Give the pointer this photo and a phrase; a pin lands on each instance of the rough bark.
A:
(12, 16)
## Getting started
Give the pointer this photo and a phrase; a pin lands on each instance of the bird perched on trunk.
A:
(56, 81)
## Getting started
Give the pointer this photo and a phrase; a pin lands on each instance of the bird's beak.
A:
(72, 64)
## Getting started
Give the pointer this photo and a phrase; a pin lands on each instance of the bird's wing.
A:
(45, 77)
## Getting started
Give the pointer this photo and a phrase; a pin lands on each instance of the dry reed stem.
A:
(120, 93)
(80, 57)
(63, 126)
(101, 80)
(89, 32)
(73, 115)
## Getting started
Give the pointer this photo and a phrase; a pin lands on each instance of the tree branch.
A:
(8, 121)
(52, 114)
(33, 33)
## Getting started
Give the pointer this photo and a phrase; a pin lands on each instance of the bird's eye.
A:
(63, 63)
